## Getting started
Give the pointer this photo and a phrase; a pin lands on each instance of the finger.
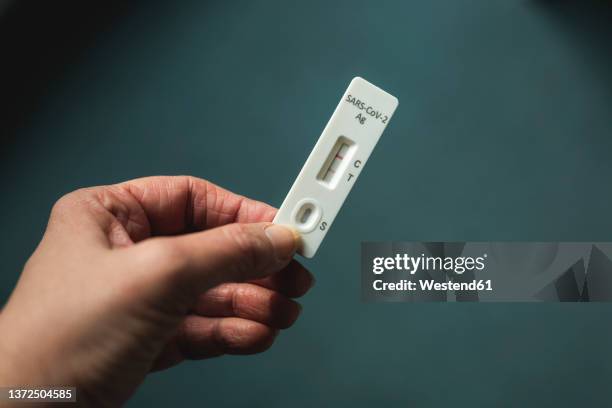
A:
(180, 204)
(250, 302)
(203, 337)
(293, 281)
(137, 209)
(193, 263)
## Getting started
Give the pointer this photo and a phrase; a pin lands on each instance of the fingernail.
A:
(284, 240)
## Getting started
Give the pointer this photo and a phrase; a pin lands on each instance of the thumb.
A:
(231, 253)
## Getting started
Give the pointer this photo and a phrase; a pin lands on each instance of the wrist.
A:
(14, 370)
(24, 361)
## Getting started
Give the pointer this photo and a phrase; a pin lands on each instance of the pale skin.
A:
(139, 276)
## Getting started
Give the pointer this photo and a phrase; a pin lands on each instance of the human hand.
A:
(141, 275)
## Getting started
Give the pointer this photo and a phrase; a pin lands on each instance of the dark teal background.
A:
(503, 132)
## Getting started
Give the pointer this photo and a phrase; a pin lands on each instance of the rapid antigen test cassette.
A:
(335, 162)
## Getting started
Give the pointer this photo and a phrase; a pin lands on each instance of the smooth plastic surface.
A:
(335, 162)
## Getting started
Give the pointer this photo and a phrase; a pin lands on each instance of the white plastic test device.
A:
(335, 162)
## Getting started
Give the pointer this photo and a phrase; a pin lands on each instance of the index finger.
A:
(177, 204)
(183, 203)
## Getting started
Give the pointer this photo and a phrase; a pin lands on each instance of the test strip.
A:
(335, 162)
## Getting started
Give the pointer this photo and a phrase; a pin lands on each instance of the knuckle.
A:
(63, 204)
(236, 299)
(221, 337)
(69, 201)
